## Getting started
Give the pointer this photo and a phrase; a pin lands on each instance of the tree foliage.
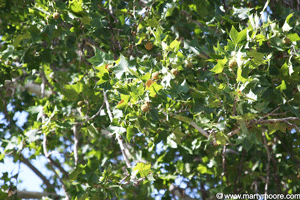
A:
(124, 97)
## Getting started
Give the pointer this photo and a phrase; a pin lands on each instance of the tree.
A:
(134, 94)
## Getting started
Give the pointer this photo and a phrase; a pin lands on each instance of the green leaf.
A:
(100, 58)
(257, 57)
(175, 45)
(152, 22)
(183, 118)
(183, 87)
(32, 136)
(247, 143)
(76, 5)
(154, 114)
(239, 77)
(218, 68)
(171, 141)
(202, 169)
(130, 132)
(233, 35)
(154, 89)
(19, 38)
(178, 133)
(121, 67)
(286, 27)
(221, 138)
(116, 129)
(124, 101)
(168, 10)
(293, 37)
(73, 175)
(72, 91)
(143, 169)
(282, 86)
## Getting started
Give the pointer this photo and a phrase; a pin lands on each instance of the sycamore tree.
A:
(125, 97)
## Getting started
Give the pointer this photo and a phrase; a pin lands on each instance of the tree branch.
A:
(274, 120)
(122, 147)
(95, 115)
(51, 162)
(268, 165)
(36, 171)
(203, 132)
(107, 106)
(75, 132)
(30, 87)
(35, 195)
(110, 13)
(119, 138)
(267, 121)
(224, 163)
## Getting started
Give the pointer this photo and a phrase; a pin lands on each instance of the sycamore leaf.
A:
(239, 76)
(282, 86)
(116, 129)
(171, 141)
(183, 118)
(32, 136)
(152, 22)
(257, 57)
(175, 45)
(76, 5)
(286, 27)
(100, 57)
(218, 68)
(19, 38)
(143, 169)
(154, 88)
(233, 34)
(130, 133)
(73, 175)
(183, 87)
(293, 37)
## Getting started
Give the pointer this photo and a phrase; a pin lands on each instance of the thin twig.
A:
(267, 121)
(75, 132)
(95, 115)
(110, 13)
(62, 183)
(232, 133)
(51, 162)
(107, 106)
(46, 82)
(274, 120)
(118, 136)
(121, 143)
(268, 165)
(65, 173)
(203, 132)
(199, 129)
(43, 83)
(271, 113)
(122, 147)
(224, 164)
(293, 125)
